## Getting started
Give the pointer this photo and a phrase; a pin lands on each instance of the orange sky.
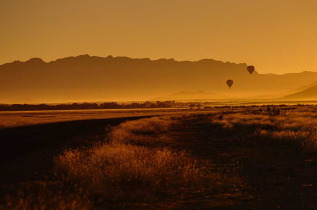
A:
(277, 36)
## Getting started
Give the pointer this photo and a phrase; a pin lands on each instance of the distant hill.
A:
(302, 88)
(191, 96)
(91, 78)
(308, 94)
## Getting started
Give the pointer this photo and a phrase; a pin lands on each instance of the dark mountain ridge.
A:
(92, 78)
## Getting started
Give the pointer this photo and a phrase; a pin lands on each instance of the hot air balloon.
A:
(229, 83)
(250, 69)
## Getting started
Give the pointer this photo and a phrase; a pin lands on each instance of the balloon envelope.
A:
(250, 69)
(229, 83)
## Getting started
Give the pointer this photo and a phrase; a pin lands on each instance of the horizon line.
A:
(150, 59)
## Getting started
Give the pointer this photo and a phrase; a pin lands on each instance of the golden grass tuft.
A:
(152, 131)
(48, 195)
(129, 163)
(106, 166)
(298, 127)
(134, 166)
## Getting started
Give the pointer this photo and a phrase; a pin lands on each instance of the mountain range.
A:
(307, 93)
(92, 78)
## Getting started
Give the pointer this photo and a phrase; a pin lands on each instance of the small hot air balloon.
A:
(229, 83)
(250, 69)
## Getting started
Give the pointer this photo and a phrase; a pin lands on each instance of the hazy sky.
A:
(276, 36)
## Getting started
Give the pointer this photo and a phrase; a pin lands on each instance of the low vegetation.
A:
(261, 157)
(150, 132)
(134, 165)
(295, 126)
(83, 106)
(117, 171)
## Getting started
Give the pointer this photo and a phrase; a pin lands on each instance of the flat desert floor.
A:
(26, 118)
(259, 157)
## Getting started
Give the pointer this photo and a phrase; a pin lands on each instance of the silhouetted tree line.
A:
(74, 106)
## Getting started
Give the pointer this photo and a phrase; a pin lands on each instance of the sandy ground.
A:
(246, 172)
(26, 118)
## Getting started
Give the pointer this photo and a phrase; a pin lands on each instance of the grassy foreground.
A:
(228, 158)
(135, 165)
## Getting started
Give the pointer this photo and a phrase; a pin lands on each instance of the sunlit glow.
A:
(275, 36)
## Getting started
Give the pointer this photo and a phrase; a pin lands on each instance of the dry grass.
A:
(119, 169)
(133, 167)
(152, 131)
(137, 163)
(297, 126)
(48, 195)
